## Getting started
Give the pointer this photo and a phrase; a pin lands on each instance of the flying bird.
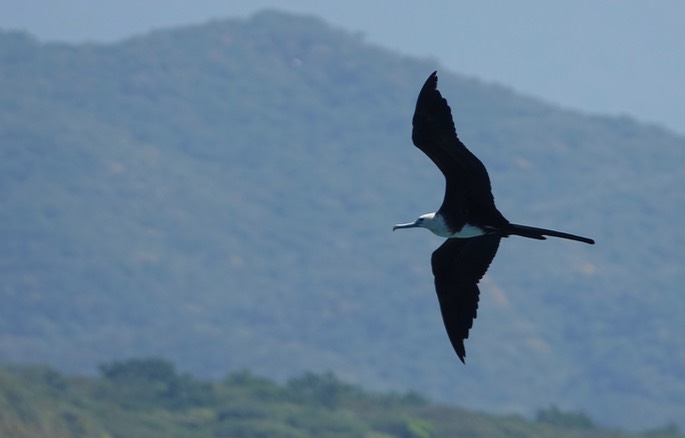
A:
(467, 217)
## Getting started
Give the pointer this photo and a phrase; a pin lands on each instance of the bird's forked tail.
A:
(540, 233)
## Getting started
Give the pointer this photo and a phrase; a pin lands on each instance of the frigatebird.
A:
(467, 217)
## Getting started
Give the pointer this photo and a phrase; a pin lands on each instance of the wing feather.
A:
(467, 191)
(458, 265)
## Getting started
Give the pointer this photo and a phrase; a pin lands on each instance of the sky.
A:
(612, 57)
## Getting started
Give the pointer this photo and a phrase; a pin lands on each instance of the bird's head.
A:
(423, 221)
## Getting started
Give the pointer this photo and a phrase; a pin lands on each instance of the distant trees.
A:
(140, 370)
(154, 381)
(325, 390)
(150, 398)
(568, 420)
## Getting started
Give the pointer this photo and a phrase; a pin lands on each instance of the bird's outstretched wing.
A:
(467, 181)
(433, 128)
(458, 265)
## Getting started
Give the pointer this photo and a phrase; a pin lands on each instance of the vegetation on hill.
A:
(148, 398)
(222, 196)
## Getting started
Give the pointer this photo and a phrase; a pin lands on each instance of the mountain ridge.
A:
(223, 195)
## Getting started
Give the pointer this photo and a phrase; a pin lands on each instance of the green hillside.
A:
(223, 196)
(148, 398)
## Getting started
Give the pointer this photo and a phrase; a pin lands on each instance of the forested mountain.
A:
(144, 398)
(223, 196)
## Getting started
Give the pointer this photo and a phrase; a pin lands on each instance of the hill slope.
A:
(222, 195)
(149, 398)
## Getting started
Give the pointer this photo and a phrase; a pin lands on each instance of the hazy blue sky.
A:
(599, 56)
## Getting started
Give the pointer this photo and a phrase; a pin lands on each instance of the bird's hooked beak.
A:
(407, 225)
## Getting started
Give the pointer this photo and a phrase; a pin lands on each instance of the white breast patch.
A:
(467, 231)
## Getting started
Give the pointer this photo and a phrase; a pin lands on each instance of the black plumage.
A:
(468, 194)
(468, 216)
(458, 265)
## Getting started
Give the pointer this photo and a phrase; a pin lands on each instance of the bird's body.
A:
(468, 217)
(436, 223)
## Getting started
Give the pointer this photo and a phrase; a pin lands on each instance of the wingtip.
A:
(428, 90)
(433, 79)
(461, 352)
